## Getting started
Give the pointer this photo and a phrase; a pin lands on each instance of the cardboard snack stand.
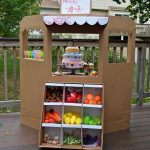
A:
(113, 80)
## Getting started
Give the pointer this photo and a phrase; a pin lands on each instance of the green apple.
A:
(86, 119)
(91, 122)
(98, 120)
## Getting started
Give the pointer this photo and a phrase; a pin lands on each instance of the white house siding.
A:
(106, 4)
(49, 11)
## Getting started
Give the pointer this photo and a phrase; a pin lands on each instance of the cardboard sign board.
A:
(75, 6)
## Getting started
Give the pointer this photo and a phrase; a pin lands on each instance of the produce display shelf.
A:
(73, 104)
(91, 126)
(54, 84)
(90, 147)
(93, 86)
(72, 146)
(73, 85)
(53, 104)
(46, 145)
(33, 59)
(63, 107)
(92, 106)
(54, 125)
(71, 126)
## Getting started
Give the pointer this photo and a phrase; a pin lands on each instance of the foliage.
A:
(10, 71)
(124, 59)
(12, 12)
(9, 110)
(138, 8)
(145, 100)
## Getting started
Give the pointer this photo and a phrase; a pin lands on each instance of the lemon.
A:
(67, 120)
(77, 115)
(65, 115)
(78, 121)
(73, 119)
(69, 114)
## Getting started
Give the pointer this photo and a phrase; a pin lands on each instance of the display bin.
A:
(81, 125)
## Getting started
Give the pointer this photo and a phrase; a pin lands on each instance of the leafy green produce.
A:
(72, 138)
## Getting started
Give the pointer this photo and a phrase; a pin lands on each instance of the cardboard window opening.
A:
(71, 20)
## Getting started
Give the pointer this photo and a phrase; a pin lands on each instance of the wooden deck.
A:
(14, 136)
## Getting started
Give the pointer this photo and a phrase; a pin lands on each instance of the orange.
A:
(97, 98)
(91, 101)
(89, 96)
(99, 102)
(95, 102)
(86, 101)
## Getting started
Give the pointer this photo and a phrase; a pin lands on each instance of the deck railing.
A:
(141, 85)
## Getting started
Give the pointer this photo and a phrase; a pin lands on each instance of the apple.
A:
(71, 100)
(91, 122)
(68, 99)
(74, 94)
(79, 97)
(67, 95)
(86, 119)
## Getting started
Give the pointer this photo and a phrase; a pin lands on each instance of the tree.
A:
(11, 13)
(138, 8)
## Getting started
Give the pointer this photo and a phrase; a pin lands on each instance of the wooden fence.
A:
(141, 86)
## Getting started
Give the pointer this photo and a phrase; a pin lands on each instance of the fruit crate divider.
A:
(43, 112)
(102, 111)
(42, 129)
(62, 132)
(82, 116)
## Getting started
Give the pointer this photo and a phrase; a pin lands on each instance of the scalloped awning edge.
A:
(70, 20)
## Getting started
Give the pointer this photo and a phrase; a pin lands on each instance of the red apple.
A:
(79, 97)
(67, 95)
(74, 94)
(71, 100)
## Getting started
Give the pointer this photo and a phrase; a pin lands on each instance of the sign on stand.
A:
(75, 6)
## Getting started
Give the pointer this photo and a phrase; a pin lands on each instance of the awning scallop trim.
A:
(70, 20)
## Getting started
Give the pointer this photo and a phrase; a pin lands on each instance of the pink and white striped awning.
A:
(71, 20)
